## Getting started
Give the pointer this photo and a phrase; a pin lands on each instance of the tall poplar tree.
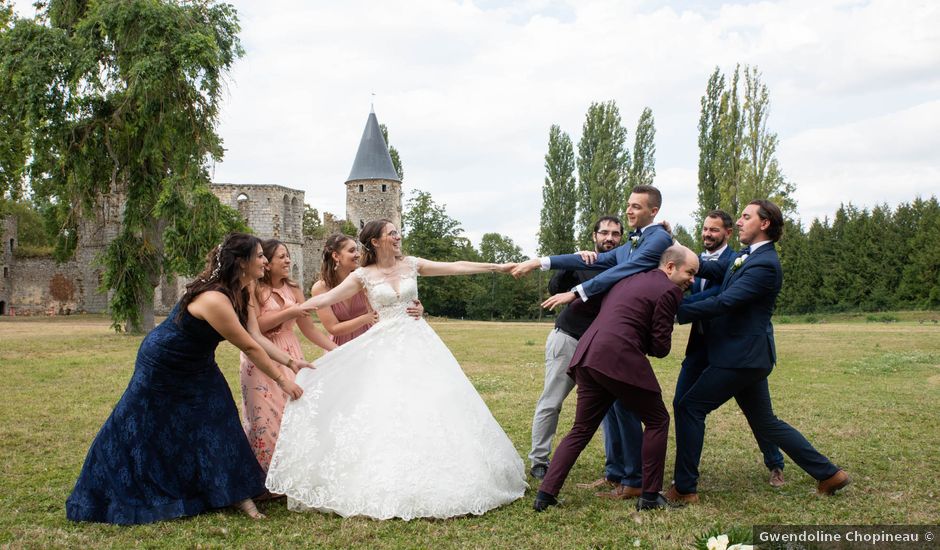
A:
(123, 98)
(709, 144)
(603, 165)
(559, 196)
(643, 167)
(737, 151)
(729, 157)
(761, 176)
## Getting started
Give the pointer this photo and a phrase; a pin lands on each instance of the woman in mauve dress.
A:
(350, 318)
(275, 302)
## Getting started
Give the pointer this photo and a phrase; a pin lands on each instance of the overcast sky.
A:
(469, 89)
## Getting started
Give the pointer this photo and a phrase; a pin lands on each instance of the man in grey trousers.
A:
(559, 348)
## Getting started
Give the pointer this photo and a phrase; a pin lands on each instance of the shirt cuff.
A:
(580, 292)
(546, 263)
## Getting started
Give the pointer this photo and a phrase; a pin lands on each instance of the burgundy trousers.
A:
(596, 393)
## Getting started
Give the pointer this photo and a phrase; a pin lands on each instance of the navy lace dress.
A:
(173, 446)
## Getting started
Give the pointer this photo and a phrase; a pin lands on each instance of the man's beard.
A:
(713, 247)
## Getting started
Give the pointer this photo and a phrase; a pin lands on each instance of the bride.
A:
(389, 426)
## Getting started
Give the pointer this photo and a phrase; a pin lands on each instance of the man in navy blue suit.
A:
(716, 230)
(741, 355)
(640, 253)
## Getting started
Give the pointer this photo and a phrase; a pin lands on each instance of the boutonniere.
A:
(738, 262)
(635, 241)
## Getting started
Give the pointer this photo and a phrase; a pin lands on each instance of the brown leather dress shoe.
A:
(620, 492)
(829, 486)
(776, 478)
(675, 497)
(598, 484)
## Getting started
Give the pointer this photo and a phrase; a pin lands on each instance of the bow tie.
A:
(745, 250)
(710, 256)
(636, 233)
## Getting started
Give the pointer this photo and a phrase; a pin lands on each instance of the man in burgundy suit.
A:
(610, 364)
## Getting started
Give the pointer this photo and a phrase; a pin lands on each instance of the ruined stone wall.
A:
(272, 211)
(368, 200)
(8, 236)
(44, 287)
(313, 257)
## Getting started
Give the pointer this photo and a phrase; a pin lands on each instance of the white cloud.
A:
(885, 159)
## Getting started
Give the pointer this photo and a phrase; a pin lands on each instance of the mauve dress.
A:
(172, 446)
(358, 305)
(263, 400)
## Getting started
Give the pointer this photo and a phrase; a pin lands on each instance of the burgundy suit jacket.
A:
(635, 320)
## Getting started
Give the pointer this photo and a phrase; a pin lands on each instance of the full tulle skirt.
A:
(389, 426)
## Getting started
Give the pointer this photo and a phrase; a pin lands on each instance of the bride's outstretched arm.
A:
(347, 289)
(427, 268)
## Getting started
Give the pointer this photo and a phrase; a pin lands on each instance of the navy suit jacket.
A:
(636, 320)
(698, 335)
(620, 262)
(742, 335)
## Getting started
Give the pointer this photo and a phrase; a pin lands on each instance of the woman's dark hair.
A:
(269, 248)
(222, 273)
(328, 271)
(372, 230)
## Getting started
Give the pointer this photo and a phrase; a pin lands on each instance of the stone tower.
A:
(373, 189)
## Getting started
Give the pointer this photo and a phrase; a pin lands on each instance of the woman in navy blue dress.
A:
(173, 446)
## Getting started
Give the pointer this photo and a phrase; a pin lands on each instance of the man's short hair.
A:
(724, 216)
(654, 197)
(769, 211)
(611, 219)
(676, 254)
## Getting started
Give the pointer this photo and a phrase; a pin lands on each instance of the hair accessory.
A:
(218, 265)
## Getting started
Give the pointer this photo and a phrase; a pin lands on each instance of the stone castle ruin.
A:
(32, 286)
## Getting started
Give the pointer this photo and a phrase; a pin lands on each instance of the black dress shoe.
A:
(654, 504)
(538, 471)
(543, 501)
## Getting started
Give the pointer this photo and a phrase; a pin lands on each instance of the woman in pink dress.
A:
(275, 301)
(350, 318)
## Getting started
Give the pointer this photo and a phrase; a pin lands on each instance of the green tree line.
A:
(432, 234)
(864, 260)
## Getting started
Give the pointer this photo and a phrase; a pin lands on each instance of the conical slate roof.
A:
(372, 160)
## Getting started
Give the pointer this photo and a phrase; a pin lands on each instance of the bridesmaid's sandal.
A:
(248, 507)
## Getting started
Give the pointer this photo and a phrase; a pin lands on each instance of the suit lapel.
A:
(750, 260)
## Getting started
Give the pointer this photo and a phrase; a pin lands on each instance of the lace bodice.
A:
(381, 291)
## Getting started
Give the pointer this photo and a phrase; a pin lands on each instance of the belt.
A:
(566, 333)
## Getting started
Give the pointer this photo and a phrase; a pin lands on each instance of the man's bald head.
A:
(680, 264)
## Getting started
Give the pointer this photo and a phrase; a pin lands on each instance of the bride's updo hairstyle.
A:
(222, 273)
(372, 230)
(328, 267)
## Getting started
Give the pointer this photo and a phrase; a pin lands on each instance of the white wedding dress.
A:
(389, 426)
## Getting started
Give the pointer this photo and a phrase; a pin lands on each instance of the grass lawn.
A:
(864, 390)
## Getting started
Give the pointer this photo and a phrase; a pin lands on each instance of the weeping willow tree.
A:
(121, 98)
